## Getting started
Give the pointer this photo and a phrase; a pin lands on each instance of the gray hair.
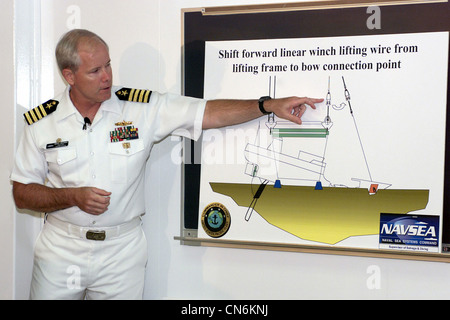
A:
(66, 51)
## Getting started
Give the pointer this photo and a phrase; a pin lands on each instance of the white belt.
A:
(98, 234)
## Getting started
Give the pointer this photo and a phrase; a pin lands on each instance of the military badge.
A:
(40, 111)
(216, 220)
(134, 95)
(124, 133)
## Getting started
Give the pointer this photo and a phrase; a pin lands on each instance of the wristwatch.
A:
(261, 104)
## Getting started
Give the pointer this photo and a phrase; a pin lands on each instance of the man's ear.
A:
(68, 75)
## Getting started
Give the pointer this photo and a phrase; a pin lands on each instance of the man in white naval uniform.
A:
(81, 160)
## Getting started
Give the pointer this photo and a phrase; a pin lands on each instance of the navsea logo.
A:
(415, 232)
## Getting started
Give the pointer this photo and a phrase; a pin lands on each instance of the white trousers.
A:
(69, 266)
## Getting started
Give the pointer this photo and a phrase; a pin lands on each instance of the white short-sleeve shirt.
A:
(110, 154)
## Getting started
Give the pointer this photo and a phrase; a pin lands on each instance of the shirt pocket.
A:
(126, 159)
(62, 165)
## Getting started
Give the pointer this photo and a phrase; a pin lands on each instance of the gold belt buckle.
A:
(96, 235)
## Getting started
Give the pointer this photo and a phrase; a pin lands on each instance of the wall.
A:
(144, 38)
(7, 145)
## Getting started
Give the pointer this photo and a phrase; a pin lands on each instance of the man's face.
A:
(91, 83)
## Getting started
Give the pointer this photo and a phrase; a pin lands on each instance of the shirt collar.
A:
(66, 107)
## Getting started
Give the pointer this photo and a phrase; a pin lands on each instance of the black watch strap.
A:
(261, 104)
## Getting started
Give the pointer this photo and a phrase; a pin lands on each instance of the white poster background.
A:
(400, 110)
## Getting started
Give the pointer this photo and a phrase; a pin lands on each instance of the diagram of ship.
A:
(292, 191)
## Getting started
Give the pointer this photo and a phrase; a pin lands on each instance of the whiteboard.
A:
(381, 75)
(374, 130)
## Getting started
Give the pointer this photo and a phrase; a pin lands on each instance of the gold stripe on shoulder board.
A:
(40, 111)
(134, 95)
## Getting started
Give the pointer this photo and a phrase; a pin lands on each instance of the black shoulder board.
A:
(134, 95)
(40, 111)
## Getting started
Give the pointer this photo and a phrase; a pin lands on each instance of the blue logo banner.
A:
(409, 232)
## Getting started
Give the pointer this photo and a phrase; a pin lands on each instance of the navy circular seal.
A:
(216, 220)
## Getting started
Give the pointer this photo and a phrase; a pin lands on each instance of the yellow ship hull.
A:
(329, 215)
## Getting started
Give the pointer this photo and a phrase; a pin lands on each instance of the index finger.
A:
(311, 101)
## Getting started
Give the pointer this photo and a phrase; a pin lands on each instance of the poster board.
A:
(331, 53)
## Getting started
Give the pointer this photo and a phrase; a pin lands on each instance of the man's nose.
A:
(106, 75)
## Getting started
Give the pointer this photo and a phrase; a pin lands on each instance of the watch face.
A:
(216, 220)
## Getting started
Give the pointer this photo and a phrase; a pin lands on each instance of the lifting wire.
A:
(347, 97)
